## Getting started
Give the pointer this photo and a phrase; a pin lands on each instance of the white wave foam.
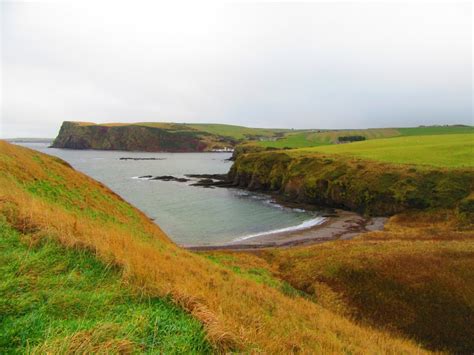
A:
(299, 210)
(305, 225)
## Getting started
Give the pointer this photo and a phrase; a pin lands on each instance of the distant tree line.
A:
(351, 138)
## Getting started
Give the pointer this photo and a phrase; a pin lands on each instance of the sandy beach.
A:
(343, 225)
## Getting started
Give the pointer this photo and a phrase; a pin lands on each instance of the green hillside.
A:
(434, 130)
(317, 138)
(448, 150)
(238, 132)
(183, 137)
(157, 136)
(223, 130)
(414, 277)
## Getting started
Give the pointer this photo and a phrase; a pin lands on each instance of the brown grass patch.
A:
(415, 278)
(101, 340)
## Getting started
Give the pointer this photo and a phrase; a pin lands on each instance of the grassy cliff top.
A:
(448, 150)
(225, 130)
(326, 137)
(289, 138)
(43, 200)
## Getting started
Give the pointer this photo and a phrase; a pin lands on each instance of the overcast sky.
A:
(301, 65)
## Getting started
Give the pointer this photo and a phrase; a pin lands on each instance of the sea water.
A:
(189, 215)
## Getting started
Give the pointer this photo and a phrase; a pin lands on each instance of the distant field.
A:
(449, 150)
(230, 131)
(423, 131)
(215, 134)
(314, 139)
(236, 132)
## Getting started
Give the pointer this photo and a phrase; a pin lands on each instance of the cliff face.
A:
(364, 186)
(131, 138)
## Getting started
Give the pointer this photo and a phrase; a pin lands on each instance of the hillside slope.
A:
(315, 138)
(155, 137)
(43, 198)
(415, 277)
(448, 150)
(57, 300)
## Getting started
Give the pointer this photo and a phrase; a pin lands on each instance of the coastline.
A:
(344, 225)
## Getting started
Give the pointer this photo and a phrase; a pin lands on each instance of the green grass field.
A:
(298, 140)
(225, 130)
(57, 300)
(288, 138)
(314, 139)
(236, 132)
(434, 130)
(449, 150)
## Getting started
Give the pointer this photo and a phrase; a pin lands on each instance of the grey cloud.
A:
(301, 65)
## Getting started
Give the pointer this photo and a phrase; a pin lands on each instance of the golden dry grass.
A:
(100, 340)
(414, 278)
(43, 195)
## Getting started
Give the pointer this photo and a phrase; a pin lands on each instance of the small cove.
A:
(189, 215)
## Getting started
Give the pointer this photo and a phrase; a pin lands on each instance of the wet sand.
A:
(344, 225)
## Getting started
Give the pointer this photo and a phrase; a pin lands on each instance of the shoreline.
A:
(345, 225)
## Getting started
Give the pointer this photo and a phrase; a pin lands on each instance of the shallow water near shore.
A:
(189, 215)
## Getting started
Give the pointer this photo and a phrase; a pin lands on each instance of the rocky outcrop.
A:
(74, 135)
(369, 187)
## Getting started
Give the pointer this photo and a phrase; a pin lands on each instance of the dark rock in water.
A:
(212, 183)
(208, 176)
(129, 158)
(145, 177)
(169, 178)
(204, 183)
(205, 180)
(181, 179)
(164, 178)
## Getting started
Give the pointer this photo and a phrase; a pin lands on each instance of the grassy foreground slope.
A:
(57, 300)
(43, 199)
(416, 277)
